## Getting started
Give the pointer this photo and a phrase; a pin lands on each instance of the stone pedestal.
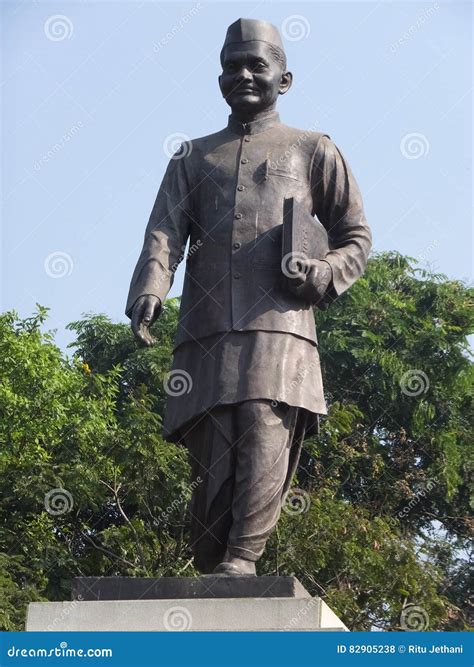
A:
(174, 604)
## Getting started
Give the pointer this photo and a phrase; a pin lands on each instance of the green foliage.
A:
(70, 429)
(385, 484)
(357, 561)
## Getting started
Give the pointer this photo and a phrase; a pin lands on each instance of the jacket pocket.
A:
(270, 169)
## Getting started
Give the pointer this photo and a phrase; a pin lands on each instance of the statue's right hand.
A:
(146, 310)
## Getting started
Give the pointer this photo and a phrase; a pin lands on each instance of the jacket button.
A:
(237, 245)
(236, 275)
(244, 161)
(238, 216)
(241, 187)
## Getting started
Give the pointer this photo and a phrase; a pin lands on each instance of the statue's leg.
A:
(267, 456)
(212, 460)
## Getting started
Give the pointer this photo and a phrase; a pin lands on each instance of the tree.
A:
(88, 484)
(394, 454)
(377, 521)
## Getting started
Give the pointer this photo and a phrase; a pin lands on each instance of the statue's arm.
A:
(338, 204)
(165, 240)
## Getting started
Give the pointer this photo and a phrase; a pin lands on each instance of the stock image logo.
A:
(177, 145)
(414, 618)
(293, 263)
(414, 382)
(58, 264)
(297, 501)
(178, 382)
(414, 146)
(177, 619)
(58, 27)
(58, 501)
(295, 28)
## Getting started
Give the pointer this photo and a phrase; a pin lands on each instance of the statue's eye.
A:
(259, 67)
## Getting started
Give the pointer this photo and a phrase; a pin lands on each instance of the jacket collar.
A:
(262, 123)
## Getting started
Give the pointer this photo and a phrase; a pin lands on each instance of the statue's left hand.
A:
(310, 280)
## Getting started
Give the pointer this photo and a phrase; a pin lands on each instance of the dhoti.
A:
(243, 457)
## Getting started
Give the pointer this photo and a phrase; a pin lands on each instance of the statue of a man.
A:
(246, 340)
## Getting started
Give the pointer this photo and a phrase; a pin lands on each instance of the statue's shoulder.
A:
(306, 139)
(310, 134)
(203, 144)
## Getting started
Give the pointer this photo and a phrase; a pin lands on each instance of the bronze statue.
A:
(246, 337)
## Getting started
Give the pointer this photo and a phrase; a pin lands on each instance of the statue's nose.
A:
(244, 74)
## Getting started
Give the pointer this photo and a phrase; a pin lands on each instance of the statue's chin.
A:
(246, 107)
(244, 101)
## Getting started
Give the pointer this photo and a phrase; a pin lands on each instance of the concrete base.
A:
(181, 615)
(206, 603)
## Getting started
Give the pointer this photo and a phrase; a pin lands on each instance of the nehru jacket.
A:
(224, 193)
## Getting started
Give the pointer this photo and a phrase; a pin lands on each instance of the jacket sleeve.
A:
(166, 233)
(338, 204)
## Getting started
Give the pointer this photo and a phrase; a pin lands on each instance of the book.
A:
(303, 237)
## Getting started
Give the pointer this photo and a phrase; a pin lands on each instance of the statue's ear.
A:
(285, 82)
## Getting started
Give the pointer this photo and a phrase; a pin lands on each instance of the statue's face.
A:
(252, 78)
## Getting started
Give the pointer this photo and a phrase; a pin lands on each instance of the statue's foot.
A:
(233, 566)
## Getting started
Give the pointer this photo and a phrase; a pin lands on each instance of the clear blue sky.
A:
(92, 91)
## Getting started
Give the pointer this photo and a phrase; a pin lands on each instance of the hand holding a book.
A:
(310, 279)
